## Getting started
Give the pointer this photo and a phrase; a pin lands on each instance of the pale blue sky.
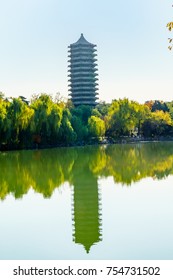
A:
(131, 38)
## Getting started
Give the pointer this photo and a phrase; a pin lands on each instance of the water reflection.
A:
(46, 170)
(86, 203)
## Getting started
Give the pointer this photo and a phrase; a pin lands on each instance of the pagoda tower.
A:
(83, 76)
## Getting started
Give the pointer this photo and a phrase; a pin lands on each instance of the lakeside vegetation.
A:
(47, 122)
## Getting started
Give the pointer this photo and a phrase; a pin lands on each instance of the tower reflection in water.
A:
(86, 207)
(44, 171)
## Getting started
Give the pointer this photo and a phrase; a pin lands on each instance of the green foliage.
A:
(83, 112)
(96, 127)
(170, 108)
(103, 108)
(80, 129)
(95, 112)
(67, 133)
(157, 105)
(158, 124)
(47, 119)
(169, 26)
(4, 125)
(45, 122)
(18, 118)
(80, 116)
(124, 117)
(2, 96)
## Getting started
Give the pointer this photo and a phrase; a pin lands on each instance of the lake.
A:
(93, 202)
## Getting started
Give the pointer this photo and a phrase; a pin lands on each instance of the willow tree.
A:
(96, 127)
(4, 122)
(19, 115)
(47, 119)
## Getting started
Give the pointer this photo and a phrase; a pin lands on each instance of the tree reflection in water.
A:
(46, 170)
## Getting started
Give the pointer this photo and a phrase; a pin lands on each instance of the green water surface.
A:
(94, 202)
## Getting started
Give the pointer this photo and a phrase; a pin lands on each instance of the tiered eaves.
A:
(83, 76)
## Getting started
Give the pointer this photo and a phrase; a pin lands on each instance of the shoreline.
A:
(93, 142)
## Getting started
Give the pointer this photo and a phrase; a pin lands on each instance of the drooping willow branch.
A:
(170, 27)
